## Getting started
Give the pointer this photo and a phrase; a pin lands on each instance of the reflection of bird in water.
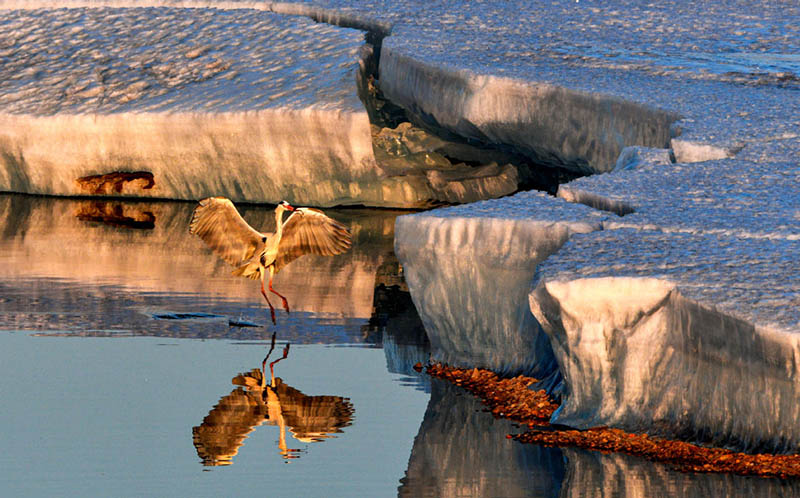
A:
(305, 231)
(309, 418)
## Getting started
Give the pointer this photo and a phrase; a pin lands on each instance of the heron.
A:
(255, 254)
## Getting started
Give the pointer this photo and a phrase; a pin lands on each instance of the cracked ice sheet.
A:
(168, 59)
(638, 352)
(737, 198)
(469, 269)
(700, 283)
(723, 68)
(731, 74)
(243, 103)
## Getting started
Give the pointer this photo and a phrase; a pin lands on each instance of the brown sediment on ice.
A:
(512, 399)
(507, 398)
(118, 182)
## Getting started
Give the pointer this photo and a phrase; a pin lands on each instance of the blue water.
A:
(114, 417)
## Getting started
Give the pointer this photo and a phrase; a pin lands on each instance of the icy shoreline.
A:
(679, 314)
(701, 135)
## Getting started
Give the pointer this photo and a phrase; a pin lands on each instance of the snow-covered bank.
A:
(256, 102)
(247, 156)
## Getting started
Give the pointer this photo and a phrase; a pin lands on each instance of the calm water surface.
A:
(123, 343)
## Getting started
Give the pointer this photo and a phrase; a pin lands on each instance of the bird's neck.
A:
(279, 220)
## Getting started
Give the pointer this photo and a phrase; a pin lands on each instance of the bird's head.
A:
(286, 206)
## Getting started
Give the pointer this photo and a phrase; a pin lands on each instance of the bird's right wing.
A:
(223, 229)
(310, 231)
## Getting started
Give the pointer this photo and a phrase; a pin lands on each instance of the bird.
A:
(255, 254)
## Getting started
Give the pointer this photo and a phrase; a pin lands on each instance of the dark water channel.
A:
(124, 343)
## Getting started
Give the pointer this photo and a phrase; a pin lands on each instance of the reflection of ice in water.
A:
(461, 450)
(89, 267)
(598, 474)
(395, 325)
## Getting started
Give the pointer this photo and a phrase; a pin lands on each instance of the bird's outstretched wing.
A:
(310, 231)
(223, 229)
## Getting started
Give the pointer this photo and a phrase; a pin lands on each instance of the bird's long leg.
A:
(271, 371)
(264, 363)
(285, 302)
(264, 293)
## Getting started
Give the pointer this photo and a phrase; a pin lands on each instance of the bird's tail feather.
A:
(248, 270)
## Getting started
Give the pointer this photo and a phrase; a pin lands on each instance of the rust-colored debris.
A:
(119, 182)
(507, 398)
(684, 456)
(511, 399)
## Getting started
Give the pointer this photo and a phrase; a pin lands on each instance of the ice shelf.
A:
(252, 105)
(679, 314)
(181, 100)
(469, 269)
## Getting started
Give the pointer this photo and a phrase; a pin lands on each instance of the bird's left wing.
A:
(310, 231)
(223, 229)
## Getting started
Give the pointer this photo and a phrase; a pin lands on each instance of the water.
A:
(108, 311)
(118, 354)
(114, 417)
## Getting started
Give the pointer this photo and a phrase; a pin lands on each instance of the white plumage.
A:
(253, 253)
